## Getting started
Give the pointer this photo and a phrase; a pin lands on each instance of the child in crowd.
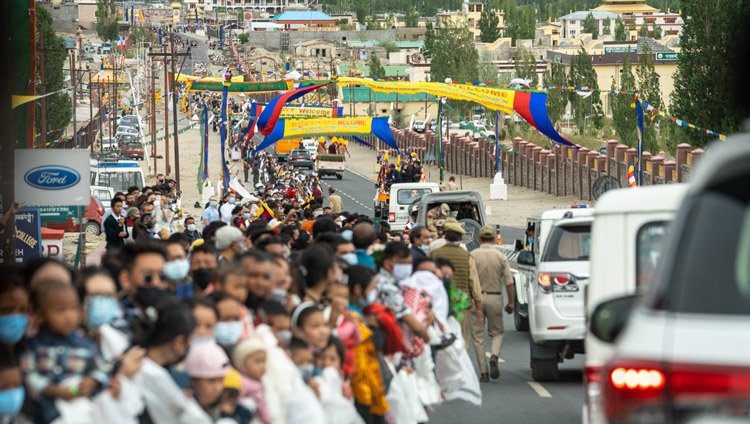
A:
(60, 365)
(233, 280)
(309, 324)
(14, 305)
(206, 315)
(344, 324)
(302, 357)
(207, 366)
(277, 317)
(333, 392)
(230, 327)
(103, 316)
(249, 357)
(12, 392)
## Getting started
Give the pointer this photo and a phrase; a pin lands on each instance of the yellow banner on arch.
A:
(305, 127)
(490, 97)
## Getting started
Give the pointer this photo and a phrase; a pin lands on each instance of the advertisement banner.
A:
(242, 87)
(338, 126)
(28, 236)
(294, 111)
(52, 177)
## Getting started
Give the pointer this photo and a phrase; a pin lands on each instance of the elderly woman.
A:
(130, 219)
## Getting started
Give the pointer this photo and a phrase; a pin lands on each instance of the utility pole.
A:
(30, 130)
(43, 100)
(92, 136)
(166, 113)
(174, 115)
(73, 84)
(8, 134)
(152, 123)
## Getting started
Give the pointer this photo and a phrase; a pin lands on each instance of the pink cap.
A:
(206, 360)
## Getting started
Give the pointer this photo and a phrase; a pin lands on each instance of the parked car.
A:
(92, 219)
(419, 126)
(627, 240)
(133, 150)
(104, 194)
(109, 143)
(301, 158)
(679, 347)
(131, 121)
(556, 299)
(126, 129)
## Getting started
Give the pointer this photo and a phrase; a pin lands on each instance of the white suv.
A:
(681, 351)
(556, 298)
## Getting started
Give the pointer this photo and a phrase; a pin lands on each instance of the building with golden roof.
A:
(626, 7)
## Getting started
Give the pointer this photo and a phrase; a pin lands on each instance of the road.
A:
(358, 192)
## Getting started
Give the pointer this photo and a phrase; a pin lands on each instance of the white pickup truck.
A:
(330, 165)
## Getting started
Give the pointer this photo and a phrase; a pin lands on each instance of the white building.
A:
(572, 24)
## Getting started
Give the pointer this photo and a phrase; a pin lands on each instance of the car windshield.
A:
(568, 243)
(407, 197)
(648, 248)
(713, 275)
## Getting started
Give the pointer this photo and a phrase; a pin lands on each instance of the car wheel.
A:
(544, 370)
(340, 177)
(521, 322)
(93, 228)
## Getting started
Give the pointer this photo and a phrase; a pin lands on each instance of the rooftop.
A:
(402, 44)
(304, 17)
(583, 14)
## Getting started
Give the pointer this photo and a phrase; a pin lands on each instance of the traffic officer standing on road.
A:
(334, 201)
(494, 273)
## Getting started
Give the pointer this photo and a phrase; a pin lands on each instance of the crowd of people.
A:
(283, 309)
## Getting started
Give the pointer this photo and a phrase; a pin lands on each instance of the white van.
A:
(403, 195)
(628, 234)
(540, 223)
(116, 174)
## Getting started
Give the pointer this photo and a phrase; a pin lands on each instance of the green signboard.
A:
(621, 49)
(667, 56)
(57, 214)
(241, 87)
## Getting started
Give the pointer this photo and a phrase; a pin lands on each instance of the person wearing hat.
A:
(207, 366)
(433, 215)
(334, 201)
(249, 358)
(494, 273)
(229, 243)
(465, 272)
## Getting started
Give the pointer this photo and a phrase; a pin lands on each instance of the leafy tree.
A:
(372, 23)
(519, 20)
(620, 34)
(487, 70)
(488, 26)
(429, 40)
(390, 21)
(708, 77)
(657, 32)
(107, 25)
(389, 46)
(376, 69)
(454, 55)
(649, 91)
(557, 100)
(623, 117)
(589, 26)
(361, 11)
(243, 37)
(58, 107)
(525, 64)
(582, 74)
(643, 31)
(606, 27)
(411, 20)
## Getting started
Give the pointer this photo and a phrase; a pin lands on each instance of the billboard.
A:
(52, 177)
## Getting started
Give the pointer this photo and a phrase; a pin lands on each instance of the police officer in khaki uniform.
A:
(494, 274)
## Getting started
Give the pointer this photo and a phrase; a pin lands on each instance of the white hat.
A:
(226, 236)
(245, 348)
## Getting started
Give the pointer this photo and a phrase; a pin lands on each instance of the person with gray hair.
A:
(229, 243)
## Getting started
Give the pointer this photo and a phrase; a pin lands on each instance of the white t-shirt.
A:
(165, 401)
(226, 212)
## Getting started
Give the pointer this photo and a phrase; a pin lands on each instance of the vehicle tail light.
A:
(562, 279)
(545, 282)
(552, 281)
(391, 216)
(592, 374)
(631, 388)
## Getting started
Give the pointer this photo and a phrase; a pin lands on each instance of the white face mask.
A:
(401, 271)
(177, 270)
(350, 258)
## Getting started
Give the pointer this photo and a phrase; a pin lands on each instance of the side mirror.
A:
(526, 258)
(609, 318)
(519, 245)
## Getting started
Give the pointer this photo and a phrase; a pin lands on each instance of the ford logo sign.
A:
(52, 177)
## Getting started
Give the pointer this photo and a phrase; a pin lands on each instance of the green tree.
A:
(376, 68)
(557, 100)
(589, 26)
(583, 74)
(623, 117)
(525, 64)
(657, 32)
(429, 40)
(389, 45)
(243, 37)
(650, 92)
(361, 11)
(411, 20)
(620, 34)
(58, 107)
(643, 31)
(606, 27)
(707, 74)
(520, 21)
(487, 70)
(454, 55)
(107, 24)
(488, 26)
(372, 23)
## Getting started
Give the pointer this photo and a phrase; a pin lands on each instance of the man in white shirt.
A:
(227, 207)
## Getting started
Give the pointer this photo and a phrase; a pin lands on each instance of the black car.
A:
(301, 158)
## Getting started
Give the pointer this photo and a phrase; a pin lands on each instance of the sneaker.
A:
(494, 370)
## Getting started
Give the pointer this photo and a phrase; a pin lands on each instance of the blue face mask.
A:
(101, 310)
(232, 200)
(177, 270)
(11, 401)
(307, 371)
(12, 328)
(350, 258)
(214, 203)
(246, 215)
(191, 227)
(347, 235)
(531, 240)
(227, 333)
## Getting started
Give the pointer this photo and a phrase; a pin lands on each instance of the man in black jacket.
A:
(114, 226)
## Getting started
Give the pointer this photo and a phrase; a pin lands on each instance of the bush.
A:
(243, 37)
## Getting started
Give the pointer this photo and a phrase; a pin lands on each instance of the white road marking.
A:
(539, 389)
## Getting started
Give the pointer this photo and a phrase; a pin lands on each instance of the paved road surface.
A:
(358, 192)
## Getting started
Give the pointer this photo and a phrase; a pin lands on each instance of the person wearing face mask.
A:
(226, 209)
(191, 231)
(397, 266)
(230, 326)
(211, 212)
(165, 332)
(177, 268)
(141, 278)
(12, 391)
(419, 237)
(229, 243)
(14, 305)
(145, 226)
(203, 264)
